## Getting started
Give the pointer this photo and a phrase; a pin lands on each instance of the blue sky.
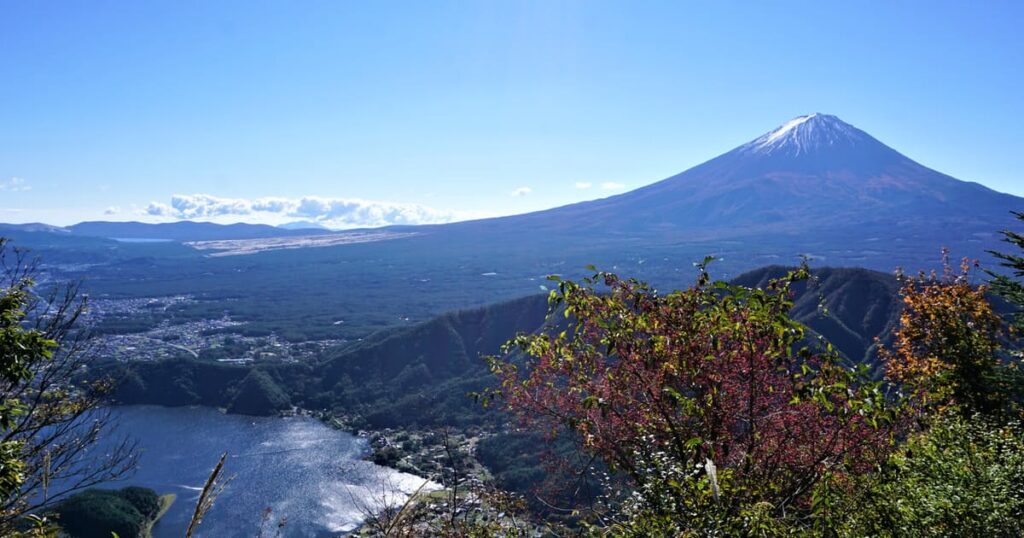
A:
(373, 112)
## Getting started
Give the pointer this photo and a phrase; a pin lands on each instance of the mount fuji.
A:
(816, 185)
(813, 172)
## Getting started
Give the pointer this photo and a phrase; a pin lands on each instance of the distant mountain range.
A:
(173, 231)
(185, 230)
(302, 225)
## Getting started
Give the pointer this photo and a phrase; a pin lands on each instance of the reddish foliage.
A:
(709, 373)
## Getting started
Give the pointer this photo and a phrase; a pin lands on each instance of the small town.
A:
(208, 339)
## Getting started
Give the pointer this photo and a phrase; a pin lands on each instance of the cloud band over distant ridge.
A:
(331, 212)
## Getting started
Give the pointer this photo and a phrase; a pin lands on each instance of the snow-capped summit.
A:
(805, 134)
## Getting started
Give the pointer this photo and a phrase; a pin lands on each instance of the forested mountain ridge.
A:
(849, 308)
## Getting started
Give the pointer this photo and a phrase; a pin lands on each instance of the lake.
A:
(298, 467)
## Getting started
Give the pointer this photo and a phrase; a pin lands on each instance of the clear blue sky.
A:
(470, 108)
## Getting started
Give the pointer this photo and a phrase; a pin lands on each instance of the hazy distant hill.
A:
(31, 227)
(302, 225)
(185, 230)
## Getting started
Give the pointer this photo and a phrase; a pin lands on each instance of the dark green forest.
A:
(96, 513)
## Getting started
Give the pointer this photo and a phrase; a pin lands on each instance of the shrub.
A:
(962, 477)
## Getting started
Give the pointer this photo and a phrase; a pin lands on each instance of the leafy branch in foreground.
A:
(1008, 286)
(964, 476)
(48, 423)
(705, 399)
(948, 350)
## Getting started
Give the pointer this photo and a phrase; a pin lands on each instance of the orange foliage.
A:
(946, 349)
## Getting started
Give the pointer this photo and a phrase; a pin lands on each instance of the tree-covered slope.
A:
(437, 361)
(850, 308)
(101, 513)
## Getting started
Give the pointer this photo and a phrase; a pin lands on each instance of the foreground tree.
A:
(706, 399)
(1009, 287)
(949, 353)
(47, 421)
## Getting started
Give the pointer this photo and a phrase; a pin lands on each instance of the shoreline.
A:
(166, 501)
(378, 441)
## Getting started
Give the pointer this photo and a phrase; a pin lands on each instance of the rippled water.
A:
(298, 467)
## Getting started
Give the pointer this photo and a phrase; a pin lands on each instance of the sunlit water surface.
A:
(297, 467)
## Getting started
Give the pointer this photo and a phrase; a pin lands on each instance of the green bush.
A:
(963, 477)
(99, 512)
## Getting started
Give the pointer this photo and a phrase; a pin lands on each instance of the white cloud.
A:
(112, 210)
(331, 212)
(612, 186)
(582, 185)
(522, 191)
(14, 184)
